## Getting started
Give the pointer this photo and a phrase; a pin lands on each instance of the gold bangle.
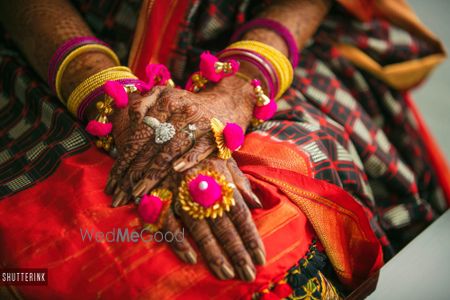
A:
(280, 63)
(68, 59)
(93, 82)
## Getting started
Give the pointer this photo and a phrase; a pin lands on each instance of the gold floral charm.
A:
(153, 208)
(206, 194)
(229, 137)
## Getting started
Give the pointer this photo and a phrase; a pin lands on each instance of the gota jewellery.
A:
(205, 193)
(153, 208)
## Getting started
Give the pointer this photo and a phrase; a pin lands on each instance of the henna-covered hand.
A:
(230, 245)
(142, 163)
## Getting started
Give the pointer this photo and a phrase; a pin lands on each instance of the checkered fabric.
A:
(36, 131)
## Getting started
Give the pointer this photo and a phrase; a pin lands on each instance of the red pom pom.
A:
(265, 112)
(205, 190)
(116, 91)
(233, 136)
(207, 67)
(98, 129)
(283, 290)
(150, 208)
(269, 296)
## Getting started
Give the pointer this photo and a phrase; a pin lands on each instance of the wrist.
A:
(239, 95)
(83, 67)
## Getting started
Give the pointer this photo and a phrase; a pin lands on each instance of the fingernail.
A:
(191, 257)
(227, 271)
(116, 203)
(119, 199)
(218, 272)
(257, 201)
(138, 189)
(179, 165)
(249, 274)
(260, 257)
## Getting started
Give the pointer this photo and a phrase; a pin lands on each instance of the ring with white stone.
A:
(190, 129)
(164, 132)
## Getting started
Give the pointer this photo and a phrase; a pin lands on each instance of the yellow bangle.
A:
(68, 59)
(93, 82)
(280, 63)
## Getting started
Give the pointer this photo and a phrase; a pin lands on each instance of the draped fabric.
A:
(346, 160)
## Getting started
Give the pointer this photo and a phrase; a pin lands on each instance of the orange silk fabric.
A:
(339, 221)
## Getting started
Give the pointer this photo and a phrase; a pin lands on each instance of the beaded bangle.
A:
(279, 62)
(63, 50)
(96, 93)
(80, 50)
(79, 94)
(273, 25)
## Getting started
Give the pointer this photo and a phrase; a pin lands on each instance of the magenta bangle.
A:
(273, 25)
(259, 62)
(267, 77)
(97, 93)
(67, 47)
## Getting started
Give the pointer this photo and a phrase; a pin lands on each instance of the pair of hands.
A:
(229, 244)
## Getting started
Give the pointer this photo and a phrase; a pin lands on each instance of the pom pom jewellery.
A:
(211, 69)
(153, 208)
(214, 70)
(265, 108)
(164, 132)
(101, 126)
(116, 87)
(229, 137)
(206, 194)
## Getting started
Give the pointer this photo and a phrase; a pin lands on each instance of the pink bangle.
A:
(63, 50)
(275, 26)
(259, 62)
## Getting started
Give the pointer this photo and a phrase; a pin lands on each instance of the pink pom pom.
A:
(255, 82)
(265, 112)
(98, 129)
(116, 91)
(205, 190)
(150, 208)
(157, 74)
(207, 67)
(233, 136)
